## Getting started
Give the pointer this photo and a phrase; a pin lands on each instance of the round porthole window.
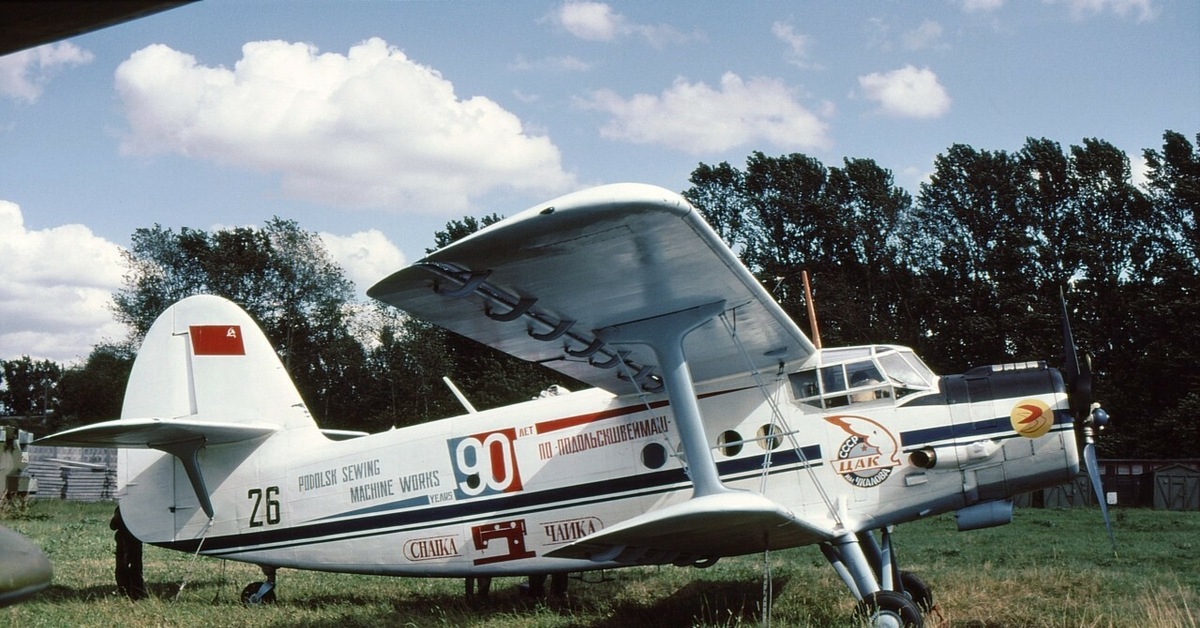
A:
(768, 437)
(730, 443)
(654, 456)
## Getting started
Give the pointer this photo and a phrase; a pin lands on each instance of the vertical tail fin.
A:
(205, 359)
(205, 375)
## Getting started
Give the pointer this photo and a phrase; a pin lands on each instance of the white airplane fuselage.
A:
(494, 492)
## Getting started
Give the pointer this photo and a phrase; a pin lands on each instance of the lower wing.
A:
(700, 529)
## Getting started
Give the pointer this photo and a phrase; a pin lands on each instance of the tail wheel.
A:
(889, 609)
(253, 594)
(917, 590)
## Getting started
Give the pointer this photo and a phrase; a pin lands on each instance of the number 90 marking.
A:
(486, 463)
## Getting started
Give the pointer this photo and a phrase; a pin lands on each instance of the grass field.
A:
(1048, 568)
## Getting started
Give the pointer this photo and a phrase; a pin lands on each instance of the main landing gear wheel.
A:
(917, 590)
(258, 593)
(889, 609)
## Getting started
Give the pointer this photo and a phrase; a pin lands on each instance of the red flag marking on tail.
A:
(217, 340)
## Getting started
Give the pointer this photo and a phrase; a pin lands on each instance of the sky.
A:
(375, 123)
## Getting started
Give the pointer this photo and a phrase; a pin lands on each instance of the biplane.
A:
(713, 426)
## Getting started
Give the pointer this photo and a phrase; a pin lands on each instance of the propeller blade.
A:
(1078, 374)
(1070, 359)
(1093, 471)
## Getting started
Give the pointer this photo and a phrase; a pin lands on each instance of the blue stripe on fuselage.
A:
(972, 430)
(391, 518)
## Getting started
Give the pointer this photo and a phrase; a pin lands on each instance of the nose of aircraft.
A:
(24, 569)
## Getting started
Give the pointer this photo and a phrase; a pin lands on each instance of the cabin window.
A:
(768, 437)
(730, 443)
(654, 456)
(804, 384)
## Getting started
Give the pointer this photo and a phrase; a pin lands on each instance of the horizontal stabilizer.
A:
(701, 529)
(156, 433)
(181, 438)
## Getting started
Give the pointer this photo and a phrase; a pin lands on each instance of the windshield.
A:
(906, 369)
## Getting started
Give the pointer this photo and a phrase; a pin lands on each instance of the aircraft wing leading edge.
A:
(540, 284)
(181, 438)
(155, 433)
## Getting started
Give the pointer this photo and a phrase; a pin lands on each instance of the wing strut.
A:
(664, 335)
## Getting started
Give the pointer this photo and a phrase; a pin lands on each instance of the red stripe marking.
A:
(583, 419)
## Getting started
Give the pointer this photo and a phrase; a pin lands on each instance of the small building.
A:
(1177, 487)
(1131, 483)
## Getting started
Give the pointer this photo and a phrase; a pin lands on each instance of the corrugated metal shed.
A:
(85, 474)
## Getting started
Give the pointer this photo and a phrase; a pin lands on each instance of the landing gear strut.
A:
(888, 597)
(260, 592)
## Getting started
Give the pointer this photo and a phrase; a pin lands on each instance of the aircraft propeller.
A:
(1089, 416)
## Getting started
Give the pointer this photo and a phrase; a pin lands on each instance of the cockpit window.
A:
(833, 379)
(906, 373)
(859, 375)
(863, 374)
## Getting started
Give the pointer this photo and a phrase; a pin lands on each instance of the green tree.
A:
(412, 357)
(973, 249)
(459, 229)
(95, 390)
(30, 387)
(789, 214)
(1154, 412)
(280, 274)
(408, 362)
(970, 273)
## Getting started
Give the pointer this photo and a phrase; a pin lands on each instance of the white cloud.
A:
(1141, 10)
(596, 21)
(23, 74)
(907, 92)
(971, 6)
(55, 289)
(366, 256)
(554, 64)
(927, 35)
(695, 118)
(370, 128)
(797, 44)
(593, 21)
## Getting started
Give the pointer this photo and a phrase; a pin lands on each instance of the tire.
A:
(917, 590)
(889, 609)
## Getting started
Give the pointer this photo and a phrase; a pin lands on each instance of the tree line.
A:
(968, 272)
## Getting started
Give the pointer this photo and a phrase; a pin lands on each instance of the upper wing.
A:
(541, 283)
